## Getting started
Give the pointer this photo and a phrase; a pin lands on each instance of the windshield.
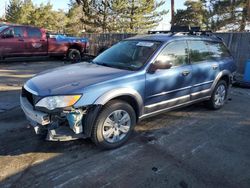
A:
(130, 55)
(3, 28)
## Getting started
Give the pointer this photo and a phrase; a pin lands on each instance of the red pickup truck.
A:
(20, 41)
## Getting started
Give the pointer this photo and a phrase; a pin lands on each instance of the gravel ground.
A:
(191, 147)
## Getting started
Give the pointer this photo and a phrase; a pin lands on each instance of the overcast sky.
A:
(63, 4)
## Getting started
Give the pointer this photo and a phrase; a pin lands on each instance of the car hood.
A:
(72, 79)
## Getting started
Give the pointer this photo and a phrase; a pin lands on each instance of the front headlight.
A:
(54, 102)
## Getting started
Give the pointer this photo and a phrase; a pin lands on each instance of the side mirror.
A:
(160, 65)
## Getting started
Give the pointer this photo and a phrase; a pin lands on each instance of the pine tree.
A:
(121, 15)
(98, 15)
(75, 26)
(27, 8)
(13, 11)
(216, 15)
(45, 16)
(193, 15)
(229, 15)
(139, 15)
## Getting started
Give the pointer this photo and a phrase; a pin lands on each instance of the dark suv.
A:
(136, 78)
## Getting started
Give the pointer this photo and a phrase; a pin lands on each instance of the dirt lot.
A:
(192, 147)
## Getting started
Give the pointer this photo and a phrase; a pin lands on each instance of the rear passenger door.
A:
(221, 54)
(35, 41)
(169, 87)
(204, 68)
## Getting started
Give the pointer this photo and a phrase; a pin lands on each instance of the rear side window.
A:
(199, 51)
(175, 52)
(34, 32)
(218, 50)
(18, 32)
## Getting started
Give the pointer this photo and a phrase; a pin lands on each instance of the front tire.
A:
(219, 95)
(114, 125)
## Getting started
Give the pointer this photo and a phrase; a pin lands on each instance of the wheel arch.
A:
(128, 95)
(74, 46)
(223, 75)
(226, 78)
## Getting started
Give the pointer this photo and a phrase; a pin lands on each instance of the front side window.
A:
(198, 51)
(130, 54)
(8, 31)
(3, 28)
(34, 33)
(175, 53)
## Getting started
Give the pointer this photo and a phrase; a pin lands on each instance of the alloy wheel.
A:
(220, 95)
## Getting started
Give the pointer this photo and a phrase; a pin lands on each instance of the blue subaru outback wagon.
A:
(136, 78)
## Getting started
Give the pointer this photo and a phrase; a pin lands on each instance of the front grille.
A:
(28, 95)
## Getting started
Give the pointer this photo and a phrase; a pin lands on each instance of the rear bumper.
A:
(35, 117)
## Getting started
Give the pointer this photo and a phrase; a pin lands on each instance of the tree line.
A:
(128, 16)
(25, 12)
(99, 16)
(215, 15)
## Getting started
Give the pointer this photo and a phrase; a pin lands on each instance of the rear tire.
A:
(114, 125)
(219, 96)
(74, 55)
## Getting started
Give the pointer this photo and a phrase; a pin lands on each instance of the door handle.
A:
(214, 67)
(20, 40)
(185, 73)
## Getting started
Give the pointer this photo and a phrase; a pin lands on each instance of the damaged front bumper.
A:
(34, 117)
(64, 126)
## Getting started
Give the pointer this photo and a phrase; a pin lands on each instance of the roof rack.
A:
(184, 30)
(157, 32)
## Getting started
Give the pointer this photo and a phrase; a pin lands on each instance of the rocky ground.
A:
(191, 147)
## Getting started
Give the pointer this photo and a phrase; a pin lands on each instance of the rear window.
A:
(218, 50)
(34, 32)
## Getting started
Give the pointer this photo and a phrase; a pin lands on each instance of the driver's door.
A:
(13, 44)
(169, 87)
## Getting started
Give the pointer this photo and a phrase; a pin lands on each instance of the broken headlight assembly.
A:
(53, 102)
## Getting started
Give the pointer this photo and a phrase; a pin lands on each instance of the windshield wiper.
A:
(120, 65)
(102, 64)
(112, 65)
(129, 68)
